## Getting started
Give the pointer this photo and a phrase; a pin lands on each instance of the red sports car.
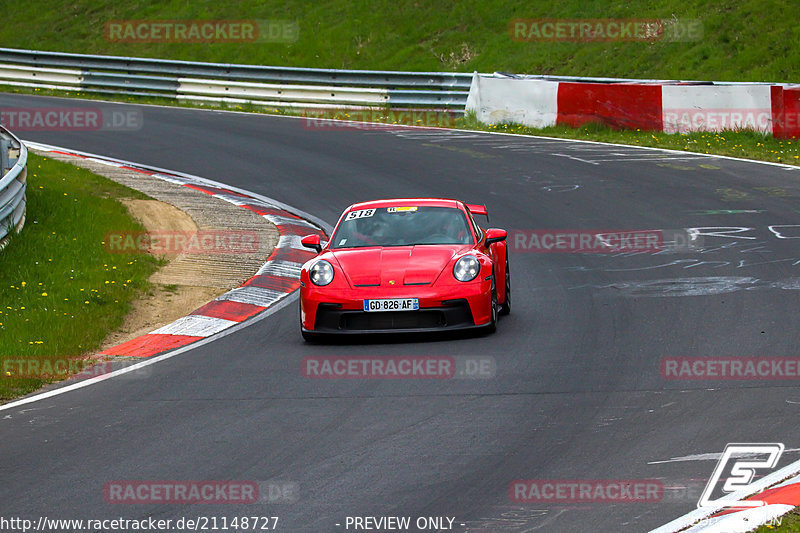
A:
(397, 266)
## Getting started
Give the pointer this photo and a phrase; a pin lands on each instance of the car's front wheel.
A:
(505, 307)
(492, 327)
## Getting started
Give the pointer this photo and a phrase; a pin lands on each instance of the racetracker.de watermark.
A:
(375, 119)
(398, 367)
(570, 491)
(684, 120)
(605, 30)
(181, 492)
(47, 368)
(583, 241)
(200, 492)
(729, 368)
(202, 31)
(71, 119)
(586, 241)
(183, 242)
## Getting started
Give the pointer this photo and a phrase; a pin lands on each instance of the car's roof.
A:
(410, 202)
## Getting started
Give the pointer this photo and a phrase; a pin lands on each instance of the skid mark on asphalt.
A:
(590, 154)
(513, 520)
(697, 286)
(559, 188)
(770, 247)
(707, 457)
(465, 151)
(703, 286)
(715, 212)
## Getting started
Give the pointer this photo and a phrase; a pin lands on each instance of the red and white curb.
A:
(274, 281)
(777, 500)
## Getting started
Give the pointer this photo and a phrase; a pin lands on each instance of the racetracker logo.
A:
(375, 119)
(730, 368)
(736, 469)
(202, 31)
(181, 492)
(684, 120)
(399, 367)
(586, 491)
(605, 30)
(70, 119)
(61, 368)
(586, 241)
(183, 242)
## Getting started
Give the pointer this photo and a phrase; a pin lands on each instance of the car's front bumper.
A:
(342, 312)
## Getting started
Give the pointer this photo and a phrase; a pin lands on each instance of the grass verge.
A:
(61, 290)
(737, 42)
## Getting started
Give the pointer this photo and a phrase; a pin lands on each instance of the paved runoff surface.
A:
(584, 384)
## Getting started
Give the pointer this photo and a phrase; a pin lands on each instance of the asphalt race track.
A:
(577, 394)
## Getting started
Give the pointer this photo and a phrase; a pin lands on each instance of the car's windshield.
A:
(402, 226)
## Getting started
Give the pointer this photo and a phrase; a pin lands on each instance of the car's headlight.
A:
(466, 268)
(321, 273)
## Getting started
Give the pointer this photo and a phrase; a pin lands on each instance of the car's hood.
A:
(396, 265)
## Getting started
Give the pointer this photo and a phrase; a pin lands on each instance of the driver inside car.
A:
(448, 229)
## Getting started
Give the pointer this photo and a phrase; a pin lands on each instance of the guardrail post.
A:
(5, 147)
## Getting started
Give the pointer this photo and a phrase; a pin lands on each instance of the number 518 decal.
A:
(359, 214)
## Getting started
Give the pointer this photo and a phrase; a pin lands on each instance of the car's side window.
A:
(478, 232)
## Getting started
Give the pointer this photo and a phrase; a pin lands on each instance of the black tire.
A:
(505, 307)
(492, 327)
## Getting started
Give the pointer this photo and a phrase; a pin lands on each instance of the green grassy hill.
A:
(748, 40)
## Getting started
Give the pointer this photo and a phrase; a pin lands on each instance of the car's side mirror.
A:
(313, 242)
(495, 235)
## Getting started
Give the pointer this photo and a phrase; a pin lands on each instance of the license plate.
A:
(392, 304)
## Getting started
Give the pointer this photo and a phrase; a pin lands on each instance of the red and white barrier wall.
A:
(660, 106)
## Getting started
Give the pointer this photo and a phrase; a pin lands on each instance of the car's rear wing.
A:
(478, 210)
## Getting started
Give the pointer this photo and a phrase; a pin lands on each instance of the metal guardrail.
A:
(13, 184)
(191, 80)
(640, 81)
